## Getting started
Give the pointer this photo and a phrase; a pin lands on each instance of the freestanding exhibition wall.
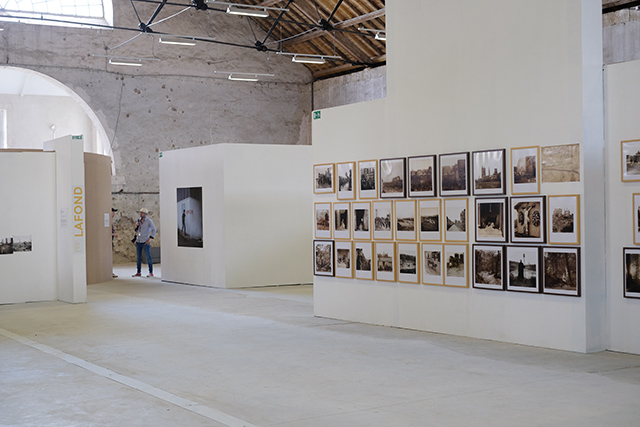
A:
(255, 210)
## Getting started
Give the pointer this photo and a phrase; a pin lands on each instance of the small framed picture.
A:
(323, 178)
(422, 176)
(523, 264)
(528, 219)
(560, 163)
(636, 219)
(564, 219)
(363, 253)
(361, 220)
(344, 259)
(525, 167)
(631, 272)
(346, 182)
(341, 220)
(488, 172)
(455, 220)
(488, 267)
(385, 261)
(323, 258)
(383, 220)
(456, 265)
(429, 219)
(323, 220)
(561, 268)
(630, 157)
(392, 178)
(491, 220)
(368, 179)
(408, 263)
(432, 264)
(405, 219)
(454, 174)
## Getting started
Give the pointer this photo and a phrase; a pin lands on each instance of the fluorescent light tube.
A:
(243, 79)
(247, 11)
(129, 62)
(381, 36)
(308, 59)
(177, 40)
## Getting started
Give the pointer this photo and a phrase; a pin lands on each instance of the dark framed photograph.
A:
(631, 272)
(405, 219)
(346, 181)
(523, 265)
(189, 209)
(323, 178)
(368, 179)
(383, 220)
(630, 157)
(636, 218)
(344, 259)
(456, 265)
(342, 220)
(561, 268)
(429, 219)
(456, 220)
(422, 176)
(491, 220)
(560, 163)
(408, 263)
(323, 258)
(488, 267)
(525, 170)
(528, 223)
(361, 220)
(392, 178)
(432, 270)
(488, 172)
(564, 219)
(363, 252)
(385, 261)
(322, 220)
(454, 174)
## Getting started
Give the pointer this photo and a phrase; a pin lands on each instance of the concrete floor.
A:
(143, 352)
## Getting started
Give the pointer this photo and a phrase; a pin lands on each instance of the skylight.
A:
(51, 12)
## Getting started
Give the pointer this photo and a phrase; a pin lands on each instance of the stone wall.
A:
(366, 85)
(621, 35)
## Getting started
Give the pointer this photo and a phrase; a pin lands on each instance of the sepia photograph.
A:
(322, 220)
(488, 267)
(22, 243)
(361, 220)
(323, 258)
(422, 176)
(363, 253)
(429, 219)
(528, 219)
(630, 153)
(385, 265)
(523, 265)
(564, 219)
(456, 265)
(323, 178)
(491, 220)
(382, 220)
(368, 179)
(341, 220)
(392, 178)
(344, 259)
(525, 170)
(561, 267)
(408, 263)
(631, 258)
(488, 172)
(346, 182)
(454, 174)
(189, 209)
(432, 264)
(455, 220)
(636, 218)
(560, 163)
(405, 219)
(6, 245)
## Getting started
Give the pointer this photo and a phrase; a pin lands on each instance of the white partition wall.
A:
(256, 215)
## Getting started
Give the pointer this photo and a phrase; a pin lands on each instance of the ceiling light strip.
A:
(177, 40)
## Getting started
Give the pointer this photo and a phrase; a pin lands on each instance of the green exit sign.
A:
(316, 115)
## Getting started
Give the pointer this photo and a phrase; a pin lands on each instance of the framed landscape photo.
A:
(344, 259)
(342, 220)
(630, 157)
(489, 172)
(561, 271)
(491, 220)
(385, 261)
(392, 178)
(368, 179)
(560, 163)
(564, 219)
(429, 219)
(422, 176)
(488, 267)
(523, 267)
(525, 170)
(631, 257)
(323, 178)
(322, 220)
(636, 218)
(408, 262)
(361, 220)
(455, 220)
(405, 211)
(346, 181)
(382, 220)
(456, 265)
(432, 271)
(323, 258)
(363, 253)
(528, 219)
(454, 174)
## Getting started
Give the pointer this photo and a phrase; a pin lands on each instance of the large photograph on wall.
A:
(630, 153)
(189, 209)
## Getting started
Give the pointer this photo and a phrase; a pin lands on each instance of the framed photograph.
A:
(323, 258)
(383, 220)
(189, 210)
(392, 178)
(408, 263)
(525, 167)
(488, 172)
(432, 270)
(22, 243)
(341, 220)
(491, 220)
(561, 268)
(456, 265)
(560, 163)
(631, 272)
(344, 259)
(385, 261)
(455, 220)
(422, 176)
(6, 245)
(346, 182)
(363, 252)
(630, 154)
(323, 220)
(523, 265)
(636, 219)
(361, 220)
(454, 174)
(488, 267)
(528, 219)
(405, 219)
(429, 219)
(323, 178)
(368, 181)
(564, 219)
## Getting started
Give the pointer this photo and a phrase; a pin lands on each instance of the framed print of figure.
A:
(491, 220)
(408, 262)
(363, 253)
(422, 176)
(561, 271)
(392, 178)
(382, 220)
(346, 181)
(454, 174)
(564, 219)
(361, 220)
(488, 267)
(385, 261)
(455, 220)
(323, 258)
(323, 178)
(630, 157)
(631, 257)
(456, 265)
(344, 259)
(523, 264)
(489, 172)
(322, 220)
(432, 264)
(429, 220)
(342, 220)
(368, 179)
(525, 170)
(405, 211)
(528, 223)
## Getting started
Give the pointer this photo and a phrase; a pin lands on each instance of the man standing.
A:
(145, 231)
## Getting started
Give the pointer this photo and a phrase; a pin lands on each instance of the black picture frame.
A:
(492, 220)
(523, 269)
(631, 272)
(561, 270)
(528, 219)
(489, 267)
(323, 258)
(422, 176)
(454, 174)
